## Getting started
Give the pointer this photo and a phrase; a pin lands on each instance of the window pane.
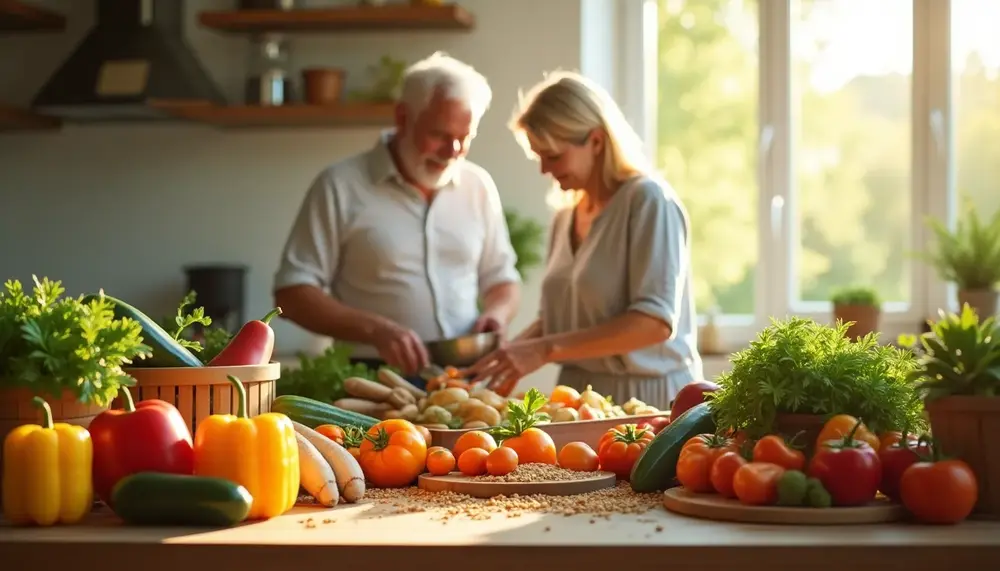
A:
(707, 137)
(851, 66)
(976, 101)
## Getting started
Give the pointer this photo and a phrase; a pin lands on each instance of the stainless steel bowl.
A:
(462, 351)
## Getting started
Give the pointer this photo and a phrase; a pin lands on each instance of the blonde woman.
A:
(617, 311)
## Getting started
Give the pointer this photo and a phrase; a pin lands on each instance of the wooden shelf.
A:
(243, 116)
(17, 16)
(19, 119)
(396, 17)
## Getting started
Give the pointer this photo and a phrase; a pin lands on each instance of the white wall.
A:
(124, 207)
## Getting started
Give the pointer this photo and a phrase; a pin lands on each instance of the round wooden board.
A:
(711, 506)
(468, 485)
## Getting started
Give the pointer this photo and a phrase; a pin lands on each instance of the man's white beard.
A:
(416, 164)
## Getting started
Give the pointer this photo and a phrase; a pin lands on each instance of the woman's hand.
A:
(508, 365)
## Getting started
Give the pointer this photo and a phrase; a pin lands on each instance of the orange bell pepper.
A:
(840, 426)
(259, 453)
(47, 472)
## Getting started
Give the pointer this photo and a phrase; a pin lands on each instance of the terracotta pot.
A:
(984, 301)
(810, 425)
(865, 318)
(323, 86)
(966, 428)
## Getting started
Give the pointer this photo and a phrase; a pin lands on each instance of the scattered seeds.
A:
(537, 473)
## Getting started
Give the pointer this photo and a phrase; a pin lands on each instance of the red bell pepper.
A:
(147, 437)
(253, 344)
(849, 469)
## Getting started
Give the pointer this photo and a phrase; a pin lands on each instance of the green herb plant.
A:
(322, 377)
(803, 367)
(179, 324)
(961, 356)
(969, 256)
(527, 237)
(856, 295)
(51, 344)
(521, 415)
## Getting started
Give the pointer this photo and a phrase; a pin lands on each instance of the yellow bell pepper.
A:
(47, 472)
(259, 453)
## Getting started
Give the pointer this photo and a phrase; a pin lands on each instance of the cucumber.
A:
(656, 467)
(167, 352)
(313, 413)
(158, 498)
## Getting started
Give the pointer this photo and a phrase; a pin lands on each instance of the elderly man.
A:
(409, 237)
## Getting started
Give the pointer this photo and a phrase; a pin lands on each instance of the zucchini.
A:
(167, 352)
(313, 413)
(158, 498)
(656, 467)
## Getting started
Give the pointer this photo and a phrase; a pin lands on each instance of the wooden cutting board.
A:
(715, 507)
(460, 484)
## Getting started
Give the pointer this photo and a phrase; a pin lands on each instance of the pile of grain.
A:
(537, 473)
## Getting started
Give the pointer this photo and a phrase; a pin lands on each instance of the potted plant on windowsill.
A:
(960, 374)
(969, 256)
(798, 373)
(859, 307)
(64, 349)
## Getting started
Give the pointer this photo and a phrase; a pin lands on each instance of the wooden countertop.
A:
(345, 538)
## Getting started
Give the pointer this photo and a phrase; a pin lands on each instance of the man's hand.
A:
(401, 348)
(508, 365)
(488, 323)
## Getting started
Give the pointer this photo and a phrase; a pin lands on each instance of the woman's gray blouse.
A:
(636, 257)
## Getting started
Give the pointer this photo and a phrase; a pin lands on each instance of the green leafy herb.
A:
(182, 321)
(969, 256)
(522, 415)
(52, 344)
(961, 356)
(216, 339)
(801, 366)
(322, 377)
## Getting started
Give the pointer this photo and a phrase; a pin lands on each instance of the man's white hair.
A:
(455, 80)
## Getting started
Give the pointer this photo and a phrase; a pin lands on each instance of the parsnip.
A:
(391, 379)
(315, 473)
(368, 390)
(350, 477)
(399, 397)
(371, 408)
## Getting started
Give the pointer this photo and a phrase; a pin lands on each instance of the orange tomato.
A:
(566, 396)
(578, 456)
(756, 483)
(440, 461)
(773, 448)
(723, 470)
(393, 454)
(356, 452)
(472, 462)
(426, 432)
(533, 446)
(694, 466)
(332, 431)
(474, 439)
(621, 446)
(840, 426)
(501, 461)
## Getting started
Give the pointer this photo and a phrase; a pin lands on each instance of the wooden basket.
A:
(589, 431)
(967, 428)
(199, 392)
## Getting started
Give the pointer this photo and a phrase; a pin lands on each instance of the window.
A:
(809, 139)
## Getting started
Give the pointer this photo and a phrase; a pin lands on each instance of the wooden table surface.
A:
(379, 537)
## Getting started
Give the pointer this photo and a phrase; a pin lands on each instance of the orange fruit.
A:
(440, 461)
(472, 462)
(474, 439)
(579, 456)
(501, 461)
(566, 396)
(533, 446)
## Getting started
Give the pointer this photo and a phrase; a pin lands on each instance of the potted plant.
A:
(960, 374)
(798, 373)
(527, 237)
(64, 349)
(859, 307)
(969, 256)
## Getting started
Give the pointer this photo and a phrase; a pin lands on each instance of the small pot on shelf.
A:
(860, 307)
(323, 86)
(984, 301)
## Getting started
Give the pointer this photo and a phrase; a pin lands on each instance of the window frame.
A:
(932, 158)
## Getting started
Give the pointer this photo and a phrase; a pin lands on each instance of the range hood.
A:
(133, 62)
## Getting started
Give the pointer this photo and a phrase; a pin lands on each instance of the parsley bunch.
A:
(50, 343)
(801, 366)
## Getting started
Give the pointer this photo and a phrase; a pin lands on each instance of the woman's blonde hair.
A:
(565, 108)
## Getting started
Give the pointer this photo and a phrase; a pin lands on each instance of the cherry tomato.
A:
(756, 483)
(723, 470)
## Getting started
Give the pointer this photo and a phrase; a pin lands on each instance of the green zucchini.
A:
(313, 413)
(157, 498)
(656, 467)
(167, 352)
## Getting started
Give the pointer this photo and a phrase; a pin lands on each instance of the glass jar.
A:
(269, 76)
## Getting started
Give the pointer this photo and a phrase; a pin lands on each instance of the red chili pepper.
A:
(253, 345)
(147, 437)
(848, 468)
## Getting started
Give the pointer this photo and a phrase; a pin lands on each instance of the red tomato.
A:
(690, 396)
(849, 469)
(895, 459)
(620, 447)
(655, 425)
(939, 490)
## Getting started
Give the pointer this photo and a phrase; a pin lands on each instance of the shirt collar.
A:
(383, 168)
